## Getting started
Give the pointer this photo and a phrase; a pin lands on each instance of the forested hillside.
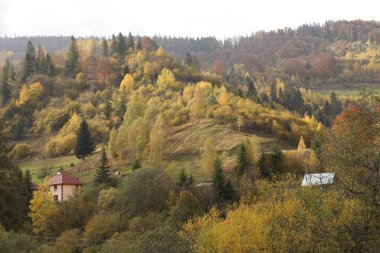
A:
(191, 145)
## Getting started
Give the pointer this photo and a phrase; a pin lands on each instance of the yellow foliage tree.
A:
(35, 92)
(112, 143)
(128, 83)
(155, 145)
(209, 155)
(166, 80)
(23, 97)
(160, 52)
(196, 109)
(301, 144)
(223, 97)
(43, 210)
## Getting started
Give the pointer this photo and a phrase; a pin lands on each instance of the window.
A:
(55, 187)
(56, 198)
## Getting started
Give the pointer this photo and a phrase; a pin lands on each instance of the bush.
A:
(102, 226)
(145, 190)
(60, 145)
(69, 241)
(20, 151)
(12, 242)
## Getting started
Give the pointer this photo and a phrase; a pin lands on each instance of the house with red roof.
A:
(63, 186)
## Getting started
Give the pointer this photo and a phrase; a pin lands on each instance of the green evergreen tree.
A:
(28, 67)
(265, 171)
(138, 46)
(27, 189)
(49, 70)
(40, 61)
(5, 85)
(121, 46)
(130, 42)
(12, 199)
(103, 175)
(251, 87)
(242, 161)
(218, 181)
(182, 178)
(276, 159)
(273, 94)
(114, 45)
(105, 50)
(72, 59)
(84, 146)
(12, 73)
(223, 190)
(188, 59)
(136, 164)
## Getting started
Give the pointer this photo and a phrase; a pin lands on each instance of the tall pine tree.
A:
(243, 162)
(72, 59)
(130, 42)
(121, 46)
(223, 190)
(104, 48)
(251, 87)
(84, 146)
(103, 175)
(114, 45)
(28, 67)
(4, 85)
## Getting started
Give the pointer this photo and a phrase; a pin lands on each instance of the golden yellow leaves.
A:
(31, 94)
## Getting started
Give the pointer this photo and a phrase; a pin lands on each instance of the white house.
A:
(63, 186)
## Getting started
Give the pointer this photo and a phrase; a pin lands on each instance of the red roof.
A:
(63, 177)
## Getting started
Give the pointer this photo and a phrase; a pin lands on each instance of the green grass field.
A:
(36, 165)
(182, 150)
(348, 90)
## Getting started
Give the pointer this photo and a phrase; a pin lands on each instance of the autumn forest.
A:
(268, 142)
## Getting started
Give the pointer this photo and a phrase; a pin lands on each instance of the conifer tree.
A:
(277, 159)
(251, 87)
(121, 46)
(182, 178)
(223, 190)
(218, 181)
(114, 45)
(28, 185)
(103, 175)
(138, 44)
(243, 162)
(28, 67)
(136, 164)
(130, 42)
(105, 48)
(5, 86)
(273, 94)
(84, 146)
(188, 59)
(72, 59)
(49, 70)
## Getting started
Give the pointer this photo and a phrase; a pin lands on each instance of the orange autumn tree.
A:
(353, 148)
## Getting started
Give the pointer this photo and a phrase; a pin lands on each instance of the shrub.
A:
(20, 151)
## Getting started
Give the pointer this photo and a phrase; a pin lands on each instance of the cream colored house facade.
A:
(63, 186)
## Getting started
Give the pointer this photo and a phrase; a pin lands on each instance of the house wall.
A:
(58, 191)
(69, 191)
(64, 192)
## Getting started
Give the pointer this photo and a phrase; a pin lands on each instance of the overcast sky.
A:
(172, 17)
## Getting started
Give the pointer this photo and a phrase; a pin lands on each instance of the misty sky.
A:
(172, 17)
